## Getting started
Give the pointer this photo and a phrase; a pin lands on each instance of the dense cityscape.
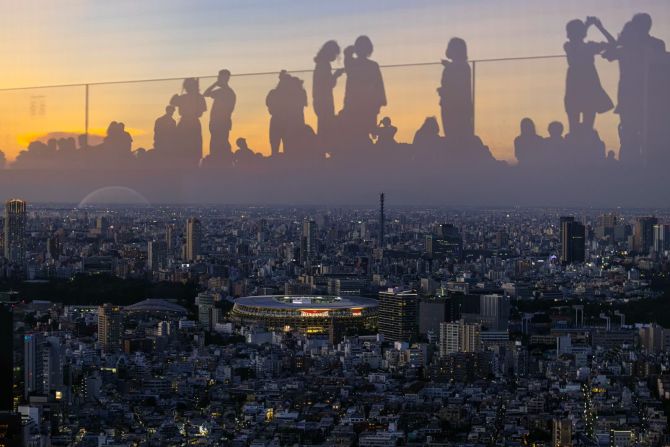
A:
(369, 326)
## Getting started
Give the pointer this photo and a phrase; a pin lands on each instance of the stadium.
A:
(308, 314)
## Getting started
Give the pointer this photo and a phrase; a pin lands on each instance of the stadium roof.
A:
(156, 305)
(307, 301)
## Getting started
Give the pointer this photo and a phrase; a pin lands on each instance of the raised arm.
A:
(210, 89)
(598, 24)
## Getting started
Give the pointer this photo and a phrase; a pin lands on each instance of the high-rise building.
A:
(205, 303)
(661, 237)
(15, 229)
(607, 224)
(573, 241)
(643, 234)
(33, 363)
(561, 432)
(433, 311)
(171, 239)
(397, 317)
(494, 311)
(382, 221)
(52, 365)
(308, 241)
(6, 358)
(446, 242)
(193, 238)
(110, 327)
(459, 336)
(156, 255)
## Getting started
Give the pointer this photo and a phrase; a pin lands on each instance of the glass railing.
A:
(505, 91)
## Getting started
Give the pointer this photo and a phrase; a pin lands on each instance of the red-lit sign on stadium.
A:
(313, 312)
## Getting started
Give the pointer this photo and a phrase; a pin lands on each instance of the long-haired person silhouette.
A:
(191, 105)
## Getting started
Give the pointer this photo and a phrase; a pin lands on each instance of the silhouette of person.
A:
(191, 105)
(243, 155)
(125, 140)
(428, 135)
(555, 144)
(635, 49)
(220, 118)
(455, 91)
(286, 104)
(165, 131)
(528, 146)
(584, 95)
(323, 83)
(364, 90)
(385, 133)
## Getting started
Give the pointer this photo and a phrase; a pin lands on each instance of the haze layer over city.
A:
(293, 223)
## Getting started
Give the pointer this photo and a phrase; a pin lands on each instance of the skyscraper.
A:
(156, 255)
(15, 228)
(446, 242)
(643, 234)
(661, 237)
(382, 220)
(397, 318)
(561, 432)
(52, 365)
(33, 344)
(494, 311)
(110, 327)
(193, 238)
(170, 239)
(308, 241)
(205, 303)
(6, 357)
(573, 239)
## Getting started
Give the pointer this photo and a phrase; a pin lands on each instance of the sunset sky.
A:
(79, 41)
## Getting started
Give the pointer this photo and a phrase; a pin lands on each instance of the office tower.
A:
(651, 338)
(433, 311)
(661, 237)
(446, 242)
(573, 239)
(33, 345)
(6, 357)
(193, 238)
(397, 317)
(494, 312)
(171, 239)
(643, 234)
(561, 432)
(110, 327)
(308, 241)
(102, 226)
(52, 365)
(53, 247)
(15, 228)
(205, 303)
(606, 226)
(156, 255)
(459, 336)
(382, 221)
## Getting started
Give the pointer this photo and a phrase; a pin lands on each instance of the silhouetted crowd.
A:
(356, 132)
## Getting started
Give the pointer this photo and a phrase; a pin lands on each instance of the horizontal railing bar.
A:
(266, 73)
